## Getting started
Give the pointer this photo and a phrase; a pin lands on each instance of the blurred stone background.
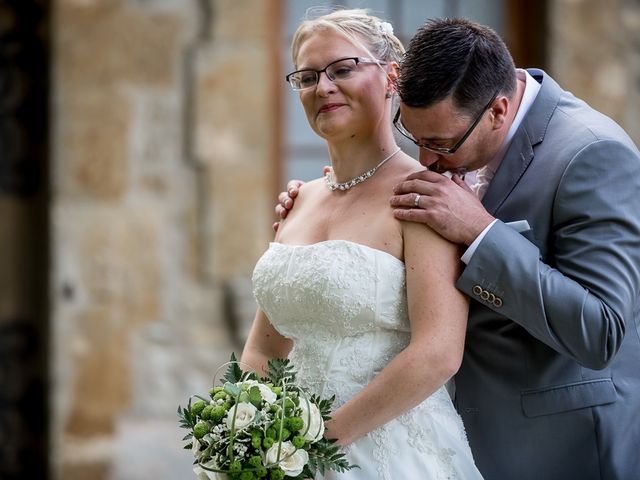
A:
(142, 145)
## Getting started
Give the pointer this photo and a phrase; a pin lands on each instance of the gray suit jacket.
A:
(549, 387)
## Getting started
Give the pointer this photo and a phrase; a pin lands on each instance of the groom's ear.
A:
(499, 109)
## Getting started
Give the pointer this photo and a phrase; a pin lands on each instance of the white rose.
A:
(246, 412)
(313, 424)
(267, 394)
(202, 474)
(195, 448)
(292, 460)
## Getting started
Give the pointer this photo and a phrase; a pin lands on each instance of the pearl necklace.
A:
(354, 181)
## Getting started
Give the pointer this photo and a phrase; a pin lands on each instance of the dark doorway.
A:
(24, 238)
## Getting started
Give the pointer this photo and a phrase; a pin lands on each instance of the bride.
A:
(364, 305)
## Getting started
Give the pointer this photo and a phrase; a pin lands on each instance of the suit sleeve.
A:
(582, 298)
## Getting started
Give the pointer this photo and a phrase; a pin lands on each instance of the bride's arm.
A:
(263, 344)
(438, 315)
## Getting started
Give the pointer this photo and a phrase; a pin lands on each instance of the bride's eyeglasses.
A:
(340, 69)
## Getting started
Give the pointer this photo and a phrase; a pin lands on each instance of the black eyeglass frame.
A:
(442, 150)
(324, 70)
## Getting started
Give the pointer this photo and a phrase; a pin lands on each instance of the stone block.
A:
(84, 471)
(101, 385)
(120, 263)
(92, 145)
(103, 42)
(243, 21)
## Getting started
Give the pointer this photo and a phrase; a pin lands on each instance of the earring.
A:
(388, 95)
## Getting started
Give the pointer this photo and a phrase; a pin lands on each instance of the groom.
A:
(549, 386)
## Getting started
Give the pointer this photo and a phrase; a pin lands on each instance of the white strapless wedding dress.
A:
(344, 306)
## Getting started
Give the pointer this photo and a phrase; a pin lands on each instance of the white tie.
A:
(483, 177)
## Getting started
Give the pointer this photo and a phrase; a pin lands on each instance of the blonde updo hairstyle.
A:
(371, 33)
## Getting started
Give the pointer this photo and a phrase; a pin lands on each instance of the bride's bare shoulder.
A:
(311, 188)
(405, 166)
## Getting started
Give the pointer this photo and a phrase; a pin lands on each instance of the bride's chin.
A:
(332, 132)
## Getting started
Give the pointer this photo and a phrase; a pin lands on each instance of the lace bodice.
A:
(344, 306)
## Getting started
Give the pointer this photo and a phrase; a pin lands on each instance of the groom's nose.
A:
(427, 157)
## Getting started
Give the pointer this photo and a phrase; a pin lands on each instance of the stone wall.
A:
(163, 184)
(594, 51)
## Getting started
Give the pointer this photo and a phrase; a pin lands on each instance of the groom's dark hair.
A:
(458, 58)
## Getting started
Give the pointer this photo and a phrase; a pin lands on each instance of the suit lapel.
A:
(520, 152)
(513, 166)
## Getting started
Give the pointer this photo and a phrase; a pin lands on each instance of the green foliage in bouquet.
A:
(255, 427)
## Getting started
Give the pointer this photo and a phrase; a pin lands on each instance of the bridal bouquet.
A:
(252, 428)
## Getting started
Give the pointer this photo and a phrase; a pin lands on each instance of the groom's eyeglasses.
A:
(397, 122)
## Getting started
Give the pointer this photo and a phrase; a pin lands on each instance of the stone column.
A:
(165, 122)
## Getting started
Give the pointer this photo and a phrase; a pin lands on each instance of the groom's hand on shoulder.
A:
(286, 200)
(447, 205)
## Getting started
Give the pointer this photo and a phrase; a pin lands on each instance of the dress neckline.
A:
(339, 241)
